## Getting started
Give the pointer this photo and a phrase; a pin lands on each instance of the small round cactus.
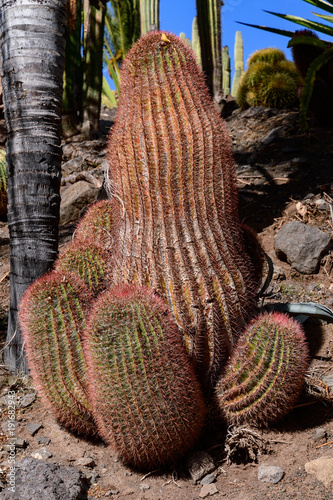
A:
(52, 313)
(270, 80)
(100, 224)
(265, 374)
(89, 261)
(146, 398)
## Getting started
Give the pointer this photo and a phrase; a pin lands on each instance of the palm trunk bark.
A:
(32, 49)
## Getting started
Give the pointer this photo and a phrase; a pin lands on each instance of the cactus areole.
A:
(171, 172)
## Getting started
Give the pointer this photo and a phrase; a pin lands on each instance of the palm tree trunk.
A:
(32, 49)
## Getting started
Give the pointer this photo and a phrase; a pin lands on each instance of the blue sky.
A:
(177, 16)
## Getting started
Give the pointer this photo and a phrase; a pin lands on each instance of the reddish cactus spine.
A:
(265, 374)
(52, 315)
(89, 261)
(146, 399)
(100, 224)
(172, 172)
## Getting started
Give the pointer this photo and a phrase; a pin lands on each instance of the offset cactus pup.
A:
(147, 401)
(52, 317)
(265, 374)
(172, 173)
(89, 261)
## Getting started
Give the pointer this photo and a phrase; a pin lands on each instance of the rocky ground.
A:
(284, 176)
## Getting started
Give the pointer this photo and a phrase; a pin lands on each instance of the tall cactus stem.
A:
(196, 41)
(226, 70)
(149, 15)
(239, 62)
(172, 172)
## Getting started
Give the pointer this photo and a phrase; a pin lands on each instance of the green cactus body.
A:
(209, 26)
(52, 315)
(226, 70)
(100, 224)
(3, 183)
(149, 15)
(239, 62)
(147, 401)
(89, 261)
(196, 41)
(171, 169)
(270, 80)
(265, 374)
(183, 37)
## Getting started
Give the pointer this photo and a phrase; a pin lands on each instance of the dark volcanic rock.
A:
(43, 481)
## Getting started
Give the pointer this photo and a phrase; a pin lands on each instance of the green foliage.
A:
(146, 398)
(270, 80)
(265, 374)
(3, 183)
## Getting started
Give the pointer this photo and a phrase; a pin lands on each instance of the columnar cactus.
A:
(196, 41)
(239, 62)
(52, 317)
(265, 374)
(270, 80)
(209, 25)
(146, 399)
(149, 15)
(226, 70)
(172, 172)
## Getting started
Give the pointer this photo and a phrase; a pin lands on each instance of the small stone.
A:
(144, 487)
(113, 490)
(296, 162)
(270, 473)
(20, 443)
(278, 273)
(8, 426)
(208, 490)
(302, 246)
(322, 468)
(328, 380)
(210, 478)
(128, 492)
(271, 136)
(319, 434)
(86, 462)
(43, 440)
(322, 205)
(34, 428)
(104, 470)
(41, 454)
(26, 400)
(199, 464)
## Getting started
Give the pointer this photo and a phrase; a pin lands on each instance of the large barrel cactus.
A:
(172, 171)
